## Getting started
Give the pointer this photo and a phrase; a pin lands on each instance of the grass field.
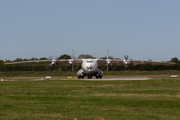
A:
(90, 100)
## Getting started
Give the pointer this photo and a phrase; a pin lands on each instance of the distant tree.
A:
(175, 60)
(109, 57)
(18, 59)
(1, 61)
(33, 58)
(25, 59)
(43, 58)
(64, 56)
(85, 56)
(8, 60)
(149, 60)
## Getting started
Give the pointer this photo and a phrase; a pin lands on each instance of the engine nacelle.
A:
(108, 62)
(99, 72)
(53, 62)
(80, 72)
(71, 61)
(126, 62)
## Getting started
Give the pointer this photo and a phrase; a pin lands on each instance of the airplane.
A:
(90, 66)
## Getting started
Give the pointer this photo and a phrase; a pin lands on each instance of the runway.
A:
(103, 79)
(94, 79)
(111, 79)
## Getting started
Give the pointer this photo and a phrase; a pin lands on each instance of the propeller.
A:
(126, 61)
(108, 61)
(71, 62)
(53, 66)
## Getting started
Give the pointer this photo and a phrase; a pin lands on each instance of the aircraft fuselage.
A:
(89, 68)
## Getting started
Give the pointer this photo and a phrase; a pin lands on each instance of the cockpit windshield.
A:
(89, 61)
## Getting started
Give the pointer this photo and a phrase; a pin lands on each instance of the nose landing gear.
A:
(79, 77)
(89, 77)
(98, 77)
(82, 76)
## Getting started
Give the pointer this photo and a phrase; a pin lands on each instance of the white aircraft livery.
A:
(90, 66)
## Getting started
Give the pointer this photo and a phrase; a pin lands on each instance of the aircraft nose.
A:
(89, 67)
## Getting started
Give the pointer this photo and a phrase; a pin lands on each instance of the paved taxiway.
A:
(94, 79)
(106, 79)
(103, 79)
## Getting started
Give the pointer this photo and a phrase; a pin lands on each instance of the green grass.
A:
(90, 100)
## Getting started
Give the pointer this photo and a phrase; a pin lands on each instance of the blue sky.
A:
(38, 28)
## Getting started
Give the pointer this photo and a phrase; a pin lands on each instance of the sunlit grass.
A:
(110, 100)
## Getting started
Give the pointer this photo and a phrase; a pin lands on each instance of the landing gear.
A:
(79, 77)
(89, 77)
(98, 76)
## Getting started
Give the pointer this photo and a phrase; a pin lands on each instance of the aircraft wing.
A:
(135, 62)
(79, 61)
(131, 62)
(63, 61)
(32, 61)
(67, 61)
(112, 61)
(101, 61)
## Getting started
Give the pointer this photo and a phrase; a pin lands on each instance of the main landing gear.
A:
(79, 77)
(98, 77)
(90, 77)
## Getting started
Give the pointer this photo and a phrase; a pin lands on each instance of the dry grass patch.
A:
(100, 118)
(132, 95)
(93, 86)
(149, 95)
(104, 95)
